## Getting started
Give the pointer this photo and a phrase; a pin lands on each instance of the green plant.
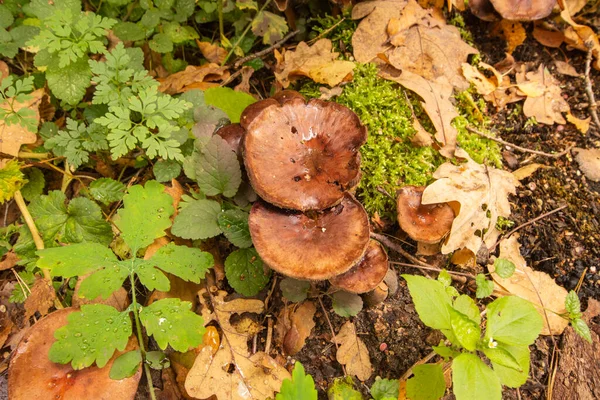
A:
(512, 324)
(300, 387)
(17, 91)
(93, 334)
(573, 307)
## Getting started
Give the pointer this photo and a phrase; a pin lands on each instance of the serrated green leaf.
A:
(129, 31)
(92, 335)
(157, 360)
(511, 377)
(161, 43)
(427, 383)
(70, 82)
(500, 356)
(431, 301)
(513, 321)
(11, 180)
(197, 220)
(473, 380)
(187, 263)
(270, 26)
(446, 352)
(234, 224)
(245, 272)
(145, 216)
(300, 387)
(126, 365)
(582, 329)
(76, 259)
(228, 100)
(35, 184)
(485, 287)
(152, 278)
(504, 267)
(218, 169)
(106, 281)
(107, 190)
(165, 170)
(465, 330)
(6, 17)
(572, 303)
(346, 304)
(467, 306)
(171, 322)
(383, 388)
(294, 290)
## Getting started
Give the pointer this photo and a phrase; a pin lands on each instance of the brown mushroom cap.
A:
(524, 10)
(423, 223)
(33, 376)
(367, 273)
(303, 156)
(319, 246)
(233, 134)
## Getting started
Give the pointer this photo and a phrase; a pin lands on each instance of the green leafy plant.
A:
(511, 325)
(93, 334)
(11, 180)
(573, 307)
(300, 387)
(17, 91)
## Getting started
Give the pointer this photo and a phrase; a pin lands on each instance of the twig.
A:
(267, 50)
(590, 93)
(269, 334)
(519, 148)
(454, 274)
(326, 31)
(383, 239)
(332, 331)
(421, 361)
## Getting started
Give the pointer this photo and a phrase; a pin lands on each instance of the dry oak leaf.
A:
(301, 323)
(13, 136)
(317, 62)
(370, 37)
(483, 85)
(536, 286)
(233, 373)
(482, 192)
(40, 299)
(436, 103)
(212, 52)
(193, 77)
(512, 32)
(426, 46)
(353, 353)
(589, 162)
(544, 100)
(581, 37)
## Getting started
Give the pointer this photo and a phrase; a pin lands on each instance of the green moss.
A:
(458, 21)
(337, 29)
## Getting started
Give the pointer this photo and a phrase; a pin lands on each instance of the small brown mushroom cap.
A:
(303, 156)
(316, 246)
(423, 223)
(32, 375)
(367, 273)
(233, 134)
(524, 10)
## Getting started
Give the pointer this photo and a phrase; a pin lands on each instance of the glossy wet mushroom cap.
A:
(524, 10)
(303, 156)
(315, 245)
(32, 375)
(424, 223)
(233, 135)
(367, 273)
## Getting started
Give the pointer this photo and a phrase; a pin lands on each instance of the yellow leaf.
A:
(582, 125)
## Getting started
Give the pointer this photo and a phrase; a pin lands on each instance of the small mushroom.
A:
(302, 156)
(367, 273)
(32, 375)
(232, 134)
(423, 223)
(316, 245)
(524, 10)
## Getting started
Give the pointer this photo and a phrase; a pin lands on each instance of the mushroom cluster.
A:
(302, 158)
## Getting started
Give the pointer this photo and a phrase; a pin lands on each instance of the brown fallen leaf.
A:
(10, 260)
(232, 372)
(483, 85)
(212, 52)
(244, 85)
(301, 324)
(565, 68)
(436, 103)
(536, 286)
(193, 77)
(548, 35)
(425, 45)
(4, 71)
(482, 192)
(353, 353)
(528, 170)
(581, 37)
(13, 136)
(512, 32)
(370, 37)
(589, 162)
(41, 298)
(582, 125)
(317, 62)
(544, 100)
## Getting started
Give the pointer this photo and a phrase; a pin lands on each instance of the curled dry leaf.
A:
(40, 299)
(512, 32)
(244, 85)
(212, 52)
(232, 372)
(13, 136)
(482, 192)
(589, 162)
(294, 325)
(436, 103)
(528, 170)
(193, 77)
(581, 37)
(544, 100)
(535, 286)
(565, 68)
(317, 62)
(353, 353)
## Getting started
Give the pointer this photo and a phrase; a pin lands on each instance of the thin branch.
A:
(519, 148)
(267, 50)
(326, 31)
(590, 93)
(332, 331)
(455, 275)
(398, 249)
